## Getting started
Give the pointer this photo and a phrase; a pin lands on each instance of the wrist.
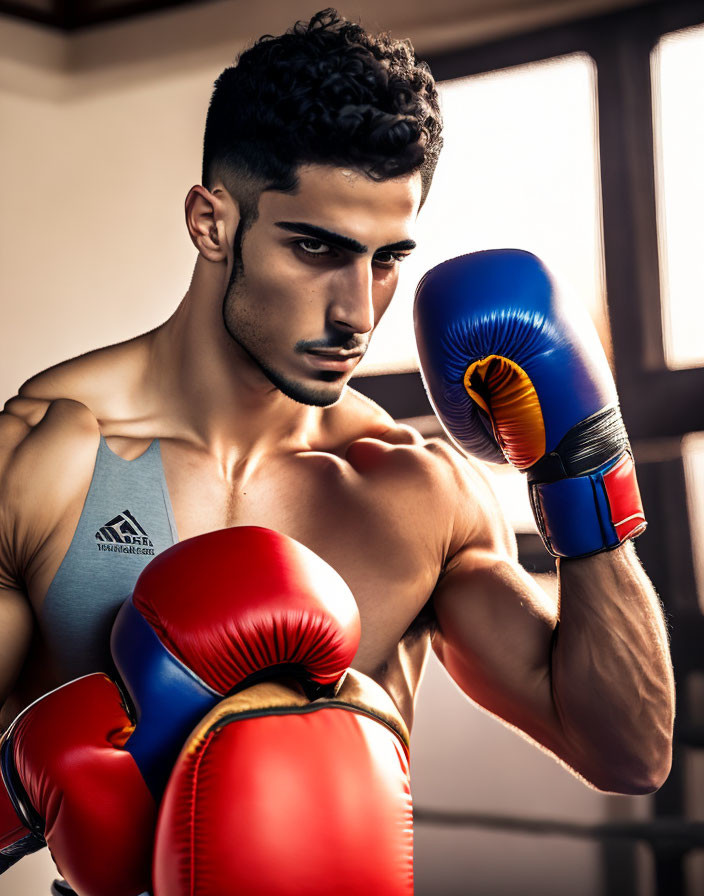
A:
(584, 494)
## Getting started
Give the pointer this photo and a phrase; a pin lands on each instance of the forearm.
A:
(611, 672)
(592, 682)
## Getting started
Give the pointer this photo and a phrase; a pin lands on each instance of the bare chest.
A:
(365, 525)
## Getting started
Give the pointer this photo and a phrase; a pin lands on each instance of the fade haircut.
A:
(325, 92)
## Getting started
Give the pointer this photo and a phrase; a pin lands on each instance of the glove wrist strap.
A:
(587, 514)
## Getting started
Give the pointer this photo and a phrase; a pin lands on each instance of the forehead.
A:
(348, 202)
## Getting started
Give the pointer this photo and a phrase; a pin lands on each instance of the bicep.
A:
(16, 617)
(495, 633)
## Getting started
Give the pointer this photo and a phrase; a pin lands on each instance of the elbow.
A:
(635, 762)
(661, 773)
(637, 786)
(653, 779)
(636, 778)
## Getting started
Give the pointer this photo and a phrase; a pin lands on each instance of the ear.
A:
(212, 220)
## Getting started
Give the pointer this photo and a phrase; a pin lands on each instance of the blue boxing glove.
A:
(514, 376)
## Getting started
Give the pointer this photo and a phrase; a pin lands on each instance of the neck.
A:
(209, 391)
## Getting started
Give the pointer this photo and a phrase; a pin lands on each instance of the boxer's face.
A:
(319, 268)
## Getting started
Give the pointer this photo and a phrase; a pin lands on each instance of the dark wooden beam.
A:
(401, 394)
(72, 15)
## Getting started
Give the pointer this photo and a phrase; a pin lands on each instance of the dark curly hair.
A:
(324, 92)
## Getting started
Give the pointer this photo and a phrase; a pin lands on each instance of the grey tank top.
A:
(126, 520)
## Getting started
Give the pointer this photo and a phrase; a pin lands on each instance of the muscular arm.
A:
(588, 677)
(16, 620)
(46, 449)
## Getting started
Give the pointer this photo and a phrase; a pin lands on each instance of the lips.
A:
(332, 360)
(333, 353)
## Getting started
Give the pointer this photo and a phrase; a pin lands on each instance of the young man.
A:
(320, 146)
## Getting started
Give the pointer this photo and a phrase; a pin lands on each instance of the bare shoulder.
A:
(24, 416)
(101, 379)
(464, 488)
(480, 521)
(42, 441)
(374, 431)
(373, 424)
(47, 450)
(67, 379)
(363, 418)
(457, 486)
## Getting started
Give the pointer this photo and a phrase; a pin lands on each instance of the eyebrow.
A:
(337, 239)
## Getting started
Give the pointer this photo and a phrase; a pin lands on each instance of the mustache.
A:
(354, 344)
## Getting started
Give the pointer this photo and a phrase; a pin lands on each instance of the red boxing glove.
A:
(214, 614)
(274, 795)
(72, 785)
(231, 603)
(207, 616)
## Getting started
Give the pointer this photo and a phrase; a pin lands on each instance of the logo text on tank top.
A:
(124, 535)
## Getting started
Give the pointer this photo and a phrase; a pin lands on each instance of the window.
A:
(678, 98)
(518, 169)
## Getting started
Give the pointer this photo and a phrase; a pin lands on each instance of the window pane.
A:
(678, 101)
(693, 453)
(518, 169)
(511, 489)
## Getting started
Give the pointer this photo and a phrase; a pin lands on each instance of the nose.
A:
(352, 308)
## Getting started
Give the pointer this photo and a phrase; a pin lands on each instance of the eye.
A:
(313, 247)
(388, 259)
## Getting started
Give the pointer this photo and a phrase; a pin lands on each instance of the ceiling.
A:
(70, 15)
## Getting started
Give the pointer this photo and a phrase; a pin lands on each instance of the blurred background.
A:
(575, 129)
